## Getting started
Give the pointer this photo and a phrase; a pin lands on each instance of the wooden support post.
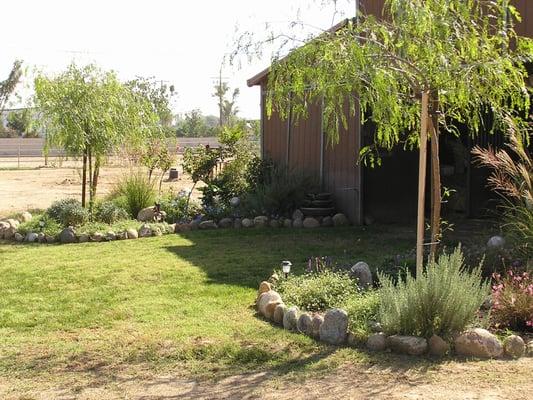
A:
(422, 163)
(436, 195)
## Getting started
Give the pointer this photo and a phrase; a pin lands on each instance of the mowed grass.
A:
(177, 300)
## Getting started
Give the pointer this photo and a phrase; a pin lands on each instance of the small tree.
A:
(21, 121)
(8, 86)
(428, 63)
(89, 113)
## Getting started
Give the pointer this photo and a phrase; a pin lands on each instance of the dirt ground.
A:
(35, 185)
(483, 380)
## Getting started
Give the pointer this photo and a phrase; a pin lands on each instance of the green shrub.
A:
(134, 192)
(50, 226)
(68, 212)
(442, 301)
(279, 193)
(109, 212)
(317, 292)
(176, 208)
(362, 308)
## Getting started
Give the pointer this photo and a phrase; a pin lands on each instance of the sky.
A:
(180, 42)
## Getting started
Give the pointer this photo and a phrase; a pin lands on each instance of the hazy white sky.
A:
(182, 42)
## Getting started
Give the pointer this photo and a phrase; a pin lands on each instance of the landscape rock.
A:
(41, 237)
(25, 217)
(361, 272)
(193, 225)
(340, 220)
(478, 343)
(438, 346)
(327, 221)
(529, 349)
(247, 223)
(297, 223)
(316, 323)
(31, 237)
(237, 224)
(110, 236)
(97, 237)
(132, 233)
(18, 237)
(274, 223)
(410, 345)
(278, 313)
(172, 228)
(266, 298)
(156, 231)
(377, 342)
(122, 235)
(260, 221)
(334, 329)
(50, 239)
(67, 235)
(514, 346)
(375, 327)
(304, 324)
(225, 223)
(287, 223)
(234, 202)
(290, 318)
(3, 227)
(496, 242)
(273, 278)
(13, 223)
(145, 231)
(297, 214)
(270, 309)
(83, 238)
(310, 223)
(263, 288)
(208, 225)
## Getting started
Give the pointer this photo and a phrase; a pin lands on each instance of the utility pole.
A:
(220, 91)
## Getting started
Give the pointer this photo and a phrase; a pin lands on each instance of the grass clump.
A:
(317, 292)
(443, 300)
(362, 309)
(110, 213)
(133, 193)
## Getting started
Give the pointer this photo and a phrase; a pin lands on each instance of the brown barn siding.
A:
(525, 7)
(274, 135)
(305, 142)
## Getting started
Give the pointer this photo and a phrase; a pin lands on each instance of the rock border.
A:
(332, 328)
(9, 228)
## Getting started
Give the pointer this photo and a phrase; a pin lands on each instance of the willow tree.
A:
(426, 65)
(89, 113)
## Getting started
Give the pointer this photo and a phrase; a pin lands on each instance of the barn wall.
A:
(305, 140)
(525, 7)
(274, 134)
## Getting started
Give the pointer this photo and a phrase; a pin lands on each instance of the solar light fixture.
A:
(286, 268)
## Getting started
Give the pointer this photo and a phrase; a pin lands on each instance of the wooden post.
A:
(84, 178)
(436, 195)
(422, 162)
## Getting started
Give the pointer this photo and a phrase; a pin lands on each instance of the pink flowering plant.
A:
(512, 296)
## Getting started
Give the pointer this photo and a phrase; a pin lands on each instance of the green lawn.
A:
(163, 301)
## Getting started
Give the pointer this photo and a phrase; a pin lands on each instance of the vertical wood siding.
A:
(525, 7)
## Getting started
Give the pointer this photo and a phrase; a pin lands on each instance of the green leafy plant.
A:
(177, 209)
(41, 223)
(362, 308)
(109, 212)
(442, 300)
(513, 300)
(68, 212)
(134, 192)
(317, 292)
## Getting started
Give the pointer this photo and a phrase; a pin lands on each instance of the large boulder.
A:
(97, 237)
(25, 217)
(478, 343)
(278, 314)
(83, 238)
(316, 323)
(376, 342)
(410, 345)
(225, 223)
(514, 346)
(334, 329)
(31, 237)
(327, 221)
(145, 231)
(261, 221)
(361, 272)
(110, 236)
(132, 233)
(310, 223)
(266, 298)
(290, 318)
(3, 227)
(263, 288)
(340, 220)
(304, 324)
(208, 225)
(18, 237)
(496, 243)
(247, 223)
(438, 347)
(13, 223)
(41, 237)
(297, 223)
(270, 309)
(297, 214)
(67, 235)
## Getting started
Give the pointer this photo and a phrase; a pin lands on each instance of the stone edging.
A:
(332, 328)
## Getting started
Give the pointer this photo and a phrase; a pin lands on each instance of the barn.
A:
(387, 193)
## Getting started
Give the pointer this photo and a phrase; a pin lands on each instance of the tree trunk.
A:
(90, 162)
(436, 193)
(189, 199)
(96, 174)
(84, 178)
(422, 165)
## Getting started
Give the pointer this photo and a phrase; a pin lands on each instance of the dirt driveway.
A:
(36, 186)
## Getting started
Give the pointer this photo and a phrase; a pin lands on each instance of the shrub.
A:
(443, 300)
(280, 193)
(317, 292)
(50, 226)
(362, 308)
(513, 300)
(109, 212)
(176, 208)
(68, 212)
(134, 192)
